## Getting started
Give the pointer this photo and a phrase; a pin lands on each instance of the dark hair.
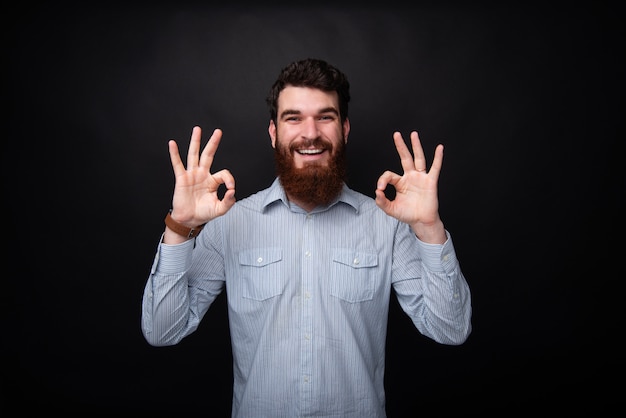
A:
(314, 73)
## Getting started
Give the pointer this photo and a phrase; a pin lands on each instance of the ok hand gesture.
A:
(196, 199)
(416, 202)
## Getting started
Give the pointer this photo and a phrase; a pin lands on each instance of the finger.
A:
(208, 154)
(194, 148)
(387, 178)
(381, 200)
(418, 152)
(226, 178)
(435, 168)
(228, 200)
(177, 163)
(406, 159)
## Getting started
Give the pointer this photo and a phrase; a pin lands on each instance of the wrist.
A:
(432, 233)
(181, 229)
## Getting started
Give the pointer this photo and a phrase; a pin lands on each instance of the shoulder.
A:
(257, 202)
(363, 204)
(254, 202)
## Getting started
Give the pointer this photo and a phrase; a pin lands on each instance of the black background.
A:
(527, 99)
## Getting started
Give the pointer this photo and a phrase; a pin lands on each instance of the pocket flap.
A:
(355, 259)
(259, 257)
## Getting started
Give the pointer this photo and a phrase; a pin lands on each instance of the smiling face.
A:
(309, 139)
(308, 124)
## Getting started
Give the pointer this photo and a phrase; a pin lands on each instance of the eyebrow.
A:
(288, 112)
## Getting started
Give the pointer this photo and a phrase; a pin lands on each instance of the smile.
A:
(309, 151)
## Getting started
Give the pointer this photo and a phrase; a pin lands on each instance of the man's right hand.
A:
(196, 199)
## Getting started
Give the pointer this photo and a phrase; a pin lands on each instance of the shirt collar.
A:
(277, 193)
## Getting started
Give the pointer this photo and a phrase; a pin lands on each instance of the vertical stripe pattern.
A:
(308, 298)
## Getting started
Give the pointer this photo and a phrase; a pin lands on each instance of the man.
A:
(308, 264)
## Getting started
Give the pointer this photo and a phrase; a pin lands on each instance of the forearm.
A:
(172, 238)
(447, 307)
(439, 300)
(166, 313)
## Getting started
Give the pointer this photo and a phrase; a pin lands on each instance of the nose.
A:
(309, 129)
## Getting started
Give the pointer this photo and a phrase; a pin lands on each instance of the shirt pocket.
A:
(352, 274)
(260, 273)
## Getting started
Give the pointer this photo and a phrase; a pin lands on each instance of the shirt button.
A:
(307, 253)
(259, 260)
(445, 257)
(307, 295)
(306, 378)
(307, 337)
(356, 261)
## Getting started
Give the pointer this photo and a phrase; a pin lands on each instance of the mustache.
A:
(311, 143)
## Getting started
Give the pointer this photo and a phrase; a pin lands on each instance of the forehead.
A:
(306, 99)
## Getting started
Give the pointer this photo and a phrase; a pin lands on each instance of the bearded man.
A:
(308, 264)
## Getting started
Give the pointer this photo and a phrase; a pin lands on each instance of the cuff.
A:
(173, 259)
(438, 257)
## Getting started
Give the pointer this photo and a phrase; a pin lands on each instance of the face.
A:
(308, 125)
(309, 140)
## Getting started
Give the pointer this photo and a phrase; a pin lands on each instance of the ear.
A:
(272, 131)
(346, 130)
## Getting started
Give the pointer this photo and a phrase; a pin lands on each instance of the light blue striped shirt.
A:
(308, 299)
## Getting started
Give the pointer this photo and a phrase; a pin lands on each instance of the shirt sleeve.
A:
(171, 309)
(437, 298)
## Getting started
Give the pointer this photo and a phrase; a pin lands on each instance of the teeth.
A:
(310, 151)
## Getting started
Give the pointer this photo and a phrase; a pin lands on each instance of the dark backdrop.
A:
(527, 99)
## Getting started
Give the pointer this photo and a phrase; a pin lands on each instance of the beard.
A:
(314, 183)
